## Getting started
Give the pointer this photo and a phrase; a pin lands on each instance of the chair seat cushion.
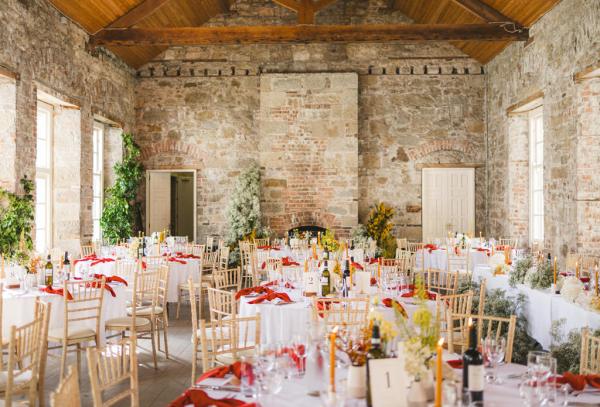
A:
(126, 322)
(146, 311)
(56, 334)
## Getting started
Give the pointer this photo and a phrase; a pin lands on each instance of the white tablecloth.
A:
(542, 308)
(19, 307)
(438, 259)
(178, 273)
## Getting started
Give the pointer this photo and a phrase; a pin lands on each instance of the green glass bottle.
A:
(325, 280)
(375, 352)
(49, 272)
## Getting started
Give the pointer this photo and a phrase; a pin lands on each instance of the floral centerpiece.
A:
(462, 240)
(387, 330)
(329, 241)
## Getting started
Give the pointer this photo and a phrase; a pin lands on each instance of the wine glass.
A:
(298, 353)
(493, 351)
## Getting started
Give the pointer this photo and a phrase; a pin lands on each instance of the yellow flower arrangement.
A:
(329, 242)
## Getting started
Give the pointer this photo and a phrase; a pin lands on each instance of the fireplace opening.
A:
(311, 230)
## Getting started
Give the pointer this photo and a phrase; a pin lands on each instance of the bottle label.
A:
(476, 373)
(324, 280)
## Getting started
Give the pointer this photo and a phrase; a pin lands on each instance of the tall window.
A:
(43, 178)
(98, 168)
(536, 178)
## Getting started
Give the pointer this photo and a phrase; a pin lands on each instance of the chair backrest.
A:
(228, 279)
(146, 289)
(589, 361)
(56, 254)
(228, 336)
(482, 296)
(163, 286)
(67, 394)
(221, 304)
(223, 258)
(414, 247)
(261, 242)
(458, 262)
(86, 250)
(83, 302)
(508, 241)
(588, 265)
(456, 303)
(350, 313)
(26, 348)
(153, 262)
(197, 249)
(571, 261)
(210, 241)
(109, 368)
(402, 243)
(126, 269)
(441, 281)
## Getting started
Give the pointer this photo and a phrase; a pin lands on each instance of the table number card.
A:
(312, 284)
(363, 281)
(388, 381)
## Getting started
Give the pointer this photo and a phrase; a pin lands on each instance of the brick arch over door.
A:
(418, 153)
(163, 153)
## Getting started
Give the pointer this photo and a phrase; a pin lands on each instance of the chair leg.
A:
(165, 335)
(178, 303)
(153, 347)
(194, 362)
(78, 357)
(63, 360)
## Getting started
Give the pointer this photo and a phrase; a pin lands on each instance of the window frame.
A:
(99, 128)
(536, 137)
(46, 173)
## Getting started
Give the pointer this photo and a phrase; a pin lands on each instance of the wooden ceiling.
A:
(94, 16)
(524, 12)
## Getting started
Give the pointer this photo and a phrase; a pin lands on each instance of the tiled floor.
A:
(157, 387)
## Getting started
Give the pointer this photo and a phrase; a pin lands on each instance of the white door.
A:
(158, 201)
(448, 201)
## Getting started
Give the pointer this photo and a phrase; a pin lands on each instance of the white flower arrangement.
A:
(571, 288)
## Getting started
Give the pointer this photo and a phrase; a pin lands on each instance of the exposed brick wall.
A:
(565, 41)
(48, 51)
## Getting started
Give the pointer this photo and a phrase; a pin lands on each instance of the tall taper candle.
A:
(555, 270)
(332, 339)
(439, 374)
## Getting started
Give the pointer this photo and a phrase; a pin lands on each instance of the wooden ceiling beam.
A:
(487, 13)
(304, 34)
(137, 14)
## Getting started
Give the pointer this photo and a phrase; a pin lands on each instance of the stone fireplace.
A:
(309, 138)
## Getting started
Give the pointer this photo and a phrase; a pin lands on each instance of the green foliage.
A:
(519, 272)
(118, 215)
(16, 221)
(498, 303)
(542, 277)
(379, 227)
(566, 350)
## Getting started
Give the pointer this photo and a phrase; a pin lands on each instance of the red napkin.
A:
(455, 363)
(111, 279)
(106, 287)
(176, 260)
(578, 381)
(270, 283)
(263, 265)
(199, 398)
(144, 265)
(57, 291)
(86, 258)
(373, 281)
(245, 291)
(585, 279)
(429, 295)
(105, 260)
(430, 247)
(299, 362)
(323, 305)
(285, 261)
(270, 297)
(373, 260)
(289, 286)
(389, 302)
(221, 371)
(501, 248)
(186, 256)
(357, 266)
(267, 248)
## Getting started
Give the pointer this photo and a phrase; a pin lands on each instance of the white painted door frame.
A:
(148, 203)
(438, 204)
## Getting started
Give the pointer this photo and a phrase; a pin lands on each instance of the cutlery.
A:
(217, 388)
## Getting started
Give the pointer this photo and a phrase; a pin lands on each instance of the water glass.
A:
(248, 383)
(493, 352)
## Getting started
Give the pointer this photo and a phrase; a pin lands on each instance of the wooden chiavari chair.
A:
(402, 244)
(441, 281)
(224, 341)
(482, 297)
(67, 394)
(571, 262)
(160, 313)
(418, 251)
(250, 269)
(26, 349)
(350, 313)
(406, 260)
(197, 249)
(228, 279)
(210, 241)
(154, 262)
(109, 368)
(83, 302)
(261, 242)
(182, 288)
(126, 269)
(453, 304)
(86, 250)
(274, 268)
(144, 296)
(588, 266)
(589, 361)
(508, 241)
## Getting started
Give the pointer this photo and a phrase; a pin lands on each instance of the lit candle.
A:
(306, 266)
(439, 374)
(555, 270)
(379, 268)
(596, 273)
(332, 337)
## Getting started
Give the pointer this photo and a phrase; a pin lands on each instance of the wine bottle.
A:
(375, 352)
(473, 370)
(325, 280)
(66, 267)
(345, 277)
(49, 272)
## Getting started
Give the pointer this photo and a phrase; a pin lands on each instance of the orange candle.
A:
(332, 338)
(439, 374)
(306, 266)
(554, 270)
(347, 250)
(379, 268)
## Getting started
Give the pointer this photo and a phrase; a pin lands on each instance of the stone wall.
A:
(564, 42)
(418, 103)
(308, 148)
(47, 50)
(8, 142)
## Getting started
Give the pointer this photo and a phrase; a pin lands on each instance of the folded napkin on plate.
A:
(488, 252)
(270, 283)
(373, 260)
(111, 279)
(357, 266)
(428, 295)
(270, 297)
(501, 248)
(220, 372)
(285, 261)
(181, 255)
(199, 398)
(57, 291)
(578, 381)
(455, 363)
(251, 290)
(430, 247)
(294, 353)
(86, 258)
(176, 260)
(104, 260)
(267, 248)
(389, 302)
